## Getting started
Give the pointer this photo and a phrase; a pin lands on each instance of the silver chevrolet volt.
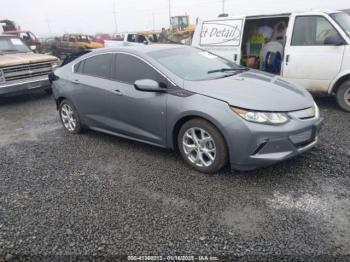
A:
(208, 108)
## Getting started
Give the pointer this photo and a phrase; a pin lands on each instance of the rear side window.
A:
(99, 66)
(130, 68)
(312, 31)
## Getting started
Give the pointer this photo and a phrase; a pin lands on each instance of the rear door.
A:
(308, 60)
(93, 91)
(221, 36)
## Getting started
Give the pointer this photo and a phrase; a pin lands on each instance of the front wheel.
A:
(343, 96)
(202, 146)
(69, 117)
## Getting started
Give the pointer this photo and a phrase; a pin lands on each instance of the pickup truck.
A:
(127, 40)
(73, 43)
(21, 69)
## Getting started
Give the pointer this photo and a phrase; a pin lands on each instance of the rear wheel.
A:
(202, 146)
(343, 96)
(69, 117)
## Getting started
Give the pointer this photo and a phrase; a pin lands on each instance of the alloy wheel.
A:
(68, 117)
(199, 147)
(347, 96)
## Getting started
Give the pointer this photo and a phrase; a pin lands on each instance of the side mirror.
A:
(149, 85)
(334, 40)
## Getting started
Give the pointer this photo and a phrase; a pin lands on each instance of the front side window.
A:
(132, 38)
(141, 39)
(312, 31)
(78, 68)
(194, 64)
(343, 20)
(98, 65)
(130, 68)
(24, 36)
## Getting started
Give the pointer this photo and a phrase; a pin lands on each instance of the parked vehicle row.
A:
(183, 98)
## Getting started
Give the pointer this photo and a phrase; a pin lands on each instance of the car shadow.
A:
(327, 102)
(280, 169)
(23, 98)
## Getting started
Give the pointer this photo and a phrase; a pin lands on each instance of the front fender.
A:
(215, 111)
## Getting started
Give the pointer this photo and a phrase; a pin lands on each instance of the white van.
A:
(309, 48)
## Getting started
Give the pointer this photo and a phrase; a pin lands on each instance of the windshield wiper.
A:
(222, 70)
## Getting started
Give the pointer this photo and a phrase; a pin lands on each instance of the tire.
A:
(69, 117)
(197, 153)
(343, 96)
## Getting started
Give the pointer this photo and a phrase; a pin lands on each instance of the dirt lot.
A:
(95, 194)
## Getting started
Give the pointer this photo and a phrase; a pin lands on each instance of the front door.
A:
(308, 60)
(140, 114)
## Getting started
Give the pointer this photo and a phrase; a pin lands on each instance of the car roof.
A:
(257, 14)
(139, 49)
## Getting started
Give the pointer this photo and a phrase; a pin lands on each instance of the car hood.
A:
(24, 58)
(254, 90)
(90, 44)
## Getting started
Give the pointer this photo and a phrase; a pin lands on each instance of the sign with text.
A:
(221, 32)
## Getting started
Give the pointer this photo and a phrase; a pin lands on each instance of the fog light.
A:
(301, 137)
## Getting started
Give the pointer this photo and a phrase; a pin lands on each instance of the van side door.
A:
(311, 59)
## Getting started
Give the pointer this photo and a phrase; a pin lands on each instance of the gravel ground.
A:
(94, 194)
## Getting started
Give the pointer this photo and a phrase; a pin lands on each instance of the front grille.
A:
(28, 71)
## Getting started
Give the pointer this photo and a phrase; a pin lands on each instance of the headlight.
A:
(317, 111)
(268, 118)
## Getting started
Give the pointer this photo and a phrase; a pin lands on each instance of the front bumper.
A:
(259, 145)
(25, 85)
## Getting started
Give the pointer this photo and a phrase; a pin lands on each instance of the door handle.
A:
(287, 59)
(117, 92)
(75, 81)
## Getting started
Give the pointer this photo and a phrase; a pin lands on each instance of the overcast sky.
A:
(91, 16)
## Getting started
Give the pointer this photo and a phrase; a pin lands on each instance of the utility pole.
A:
(115, 18)
(223, 14)
(170, 13)
(48, 24)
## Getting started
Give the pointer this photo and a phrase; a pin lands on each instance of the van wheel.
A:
(343, 96)
(202, 146)
(69, 117)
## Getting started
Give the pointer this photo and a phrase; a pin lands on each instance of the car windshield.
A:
(12, 44)
(194, 64)
(343, 20)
